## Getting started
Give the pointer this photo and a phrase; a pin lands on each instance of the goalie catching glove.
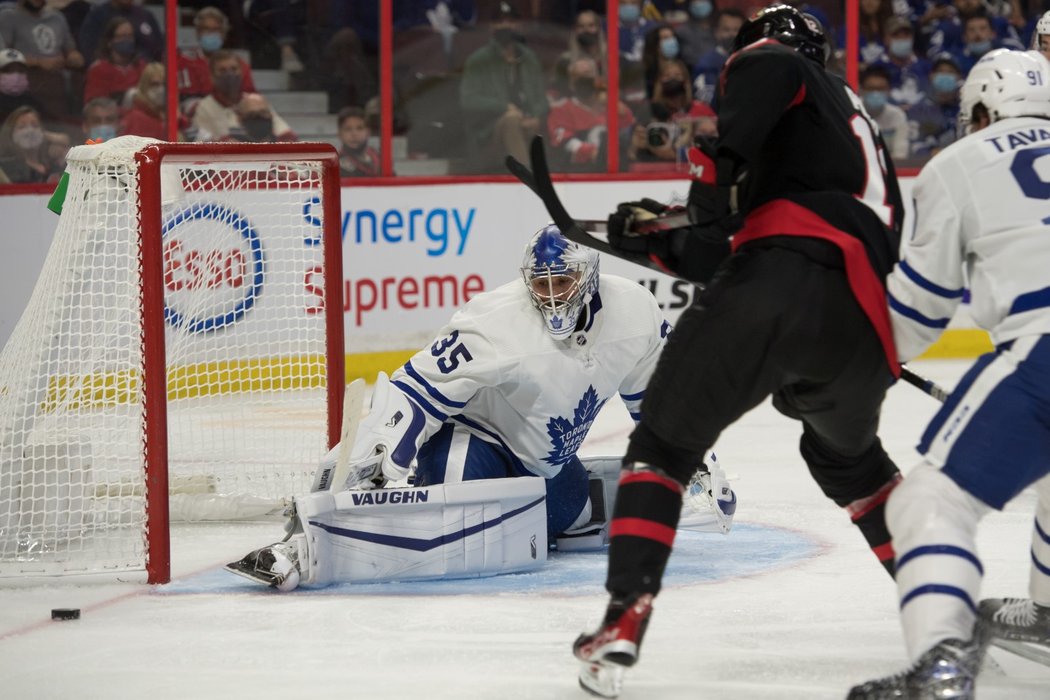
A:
(387, 440)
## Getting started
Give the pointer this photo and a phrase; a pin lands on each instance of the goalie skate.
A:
(610, 651)
(276, 566)
(948, 671)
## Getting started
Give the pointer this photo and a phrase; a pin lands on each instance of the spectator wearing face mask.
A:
(26, 153)
(932, 122)
(633, 28)
(14, 84)
(215, 115)
(101, 117)
(52, 60)
(502, 95)
(697, 31)
(194, 70)
(117, 69)
(661, 47)
(577, 129)
(946, 27)
(675, 119)
(146, 116)
(978, 39)
(257, 122)
(891, 119)
(907, 70)
(149, 38)
(587, 40)
(728, 22)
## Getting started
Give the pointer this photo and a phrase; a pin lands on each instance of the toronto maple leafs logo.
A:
(566, 435)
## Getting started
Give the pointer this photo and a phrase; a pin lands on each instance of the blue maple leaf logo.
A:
(566, 436)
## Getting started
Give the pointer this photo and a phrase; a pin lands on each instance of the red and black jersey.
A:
(816, 170)
(804, 139)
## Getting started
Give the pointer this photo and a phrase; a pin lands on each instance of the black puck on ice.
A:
(65, 613)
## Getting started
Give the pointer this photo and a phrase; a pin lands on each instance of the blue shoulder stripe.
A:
(929, 286)
(418, 398)
(434, 393)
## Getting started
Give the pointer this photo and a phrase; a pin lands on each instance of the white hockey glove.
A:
(710, 498)
(387, 438)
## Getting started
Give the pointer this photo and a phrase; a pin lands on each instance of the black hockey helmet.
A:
(788, 26)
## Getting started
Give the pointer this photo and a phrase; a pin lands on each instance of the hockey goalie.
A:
(467, 462)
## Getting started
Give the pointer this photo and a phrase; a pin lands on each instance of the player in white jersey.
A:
(508, 389)
(983, 225)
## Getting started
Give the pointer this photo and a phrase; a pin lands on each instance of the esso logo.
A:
(213, 267)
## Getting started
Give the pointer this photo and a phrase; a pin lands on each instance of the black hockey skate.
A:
(608, 652)
(276, 566)
(1018, 619)
(948, 671)
(1018, 625)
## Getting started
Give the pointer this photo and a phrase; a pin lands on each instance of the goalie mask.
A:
(1008, 84)
(786, 25)
(561, 276)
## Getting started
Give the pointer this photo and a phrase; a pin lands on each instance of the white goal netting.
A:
(248, 342)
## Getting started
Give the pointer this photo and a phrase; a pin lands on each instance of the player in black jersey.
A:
(795, 310)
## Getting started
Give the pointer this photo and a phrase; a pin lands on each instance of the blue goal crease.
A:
(747, 550)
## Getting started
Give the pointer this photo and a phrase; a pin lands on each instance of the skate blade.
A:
(602, 680)
(1035, 653)
(236, 567)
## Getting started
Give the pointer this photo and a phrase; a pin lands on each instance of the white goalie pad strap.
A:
(459, 530)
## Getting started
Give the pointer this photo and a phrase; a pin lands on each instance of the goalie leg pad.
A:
(461, 530)
(591, 529)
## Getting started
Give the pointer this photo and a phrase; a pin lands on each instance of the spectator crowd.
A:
(474, 80)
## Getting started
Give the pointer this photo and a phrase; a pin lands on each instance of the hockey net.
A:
(184, 339)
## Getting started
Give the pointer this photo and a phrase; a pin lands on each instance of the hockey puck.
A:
(65, 613)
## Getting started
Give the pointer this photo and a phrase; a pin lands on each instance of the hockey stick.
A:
(1025, 651)
(336, 474)
(539, 181)
(578, 230)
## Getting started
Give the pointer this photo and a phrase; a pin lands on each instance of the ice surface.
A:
(790, 605)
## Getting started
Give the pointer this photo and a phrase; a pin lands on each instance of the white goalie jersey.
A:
(983, 225)
(496, 371)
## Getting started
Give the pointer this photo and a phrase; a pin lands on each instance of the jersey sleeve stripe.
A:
(1031, 301)
(912, 314)
(437, 395)
(423, 403)
(633, 397)
(929, 286)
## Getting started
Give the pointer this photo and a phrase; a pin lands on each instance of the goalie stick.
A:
(582, 231)
(336, 474)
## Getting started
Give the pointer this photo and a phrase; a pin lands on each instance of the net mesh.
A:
(243, 271)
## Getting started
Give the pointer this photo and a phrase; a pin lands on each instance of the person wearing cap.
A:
(907, 70)
(51, 56)
(503, 94)
(932, 122)
(14, 84)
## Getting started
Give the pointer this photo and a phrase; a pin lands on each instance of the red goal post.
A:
(183, 346)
